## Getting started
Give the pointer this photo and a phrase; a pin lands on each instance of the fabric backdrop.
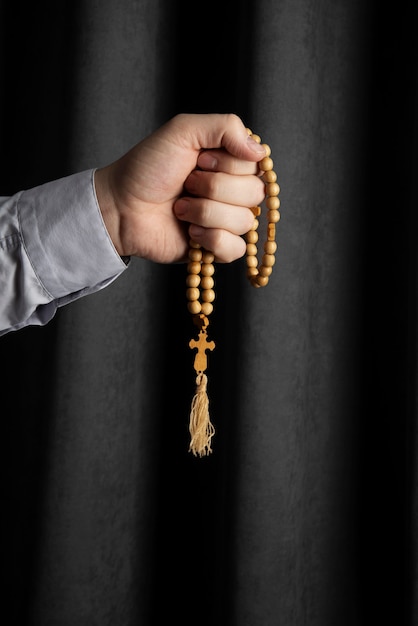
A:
(306, 511)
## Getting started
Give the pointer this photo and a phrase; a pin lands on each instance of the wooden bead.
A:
(273, 203)
(273, 216)
(194, 267)
(265, 271)
(208, 257)
(251, 236)
(267, 149)
(265, 164)
(268, 260)
(207, 308)
(207, 282)
(253, 281)
(270, 247)
(193, 293)
(251, 249)
(251, 261)
(193, 280)
(207, 269)
(272, 189)
(208, 295)
(194, 307)
(262, 280)
(195, 254)
(269, 177)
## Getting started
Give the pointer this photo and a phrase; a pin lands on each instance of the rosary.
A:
(200, 295)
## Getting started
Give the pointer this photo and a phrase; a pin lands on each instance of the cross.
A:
(200, 361)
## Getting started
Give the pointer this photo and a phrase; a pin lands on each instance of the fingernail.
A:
(207, 162)
(254, 146)
(196, 231)
(181, 206)
(192, 181)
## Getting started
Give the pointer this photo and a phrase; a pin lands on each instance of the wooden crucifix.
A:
(202, 344)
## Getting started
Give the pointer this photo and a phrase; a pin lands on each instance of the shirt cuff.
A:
(65, 237)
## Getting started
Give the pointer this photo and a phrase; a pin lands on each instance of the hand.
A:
(196, 176)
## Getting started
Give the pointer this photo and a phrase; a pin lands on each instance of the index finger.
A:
(216, 130)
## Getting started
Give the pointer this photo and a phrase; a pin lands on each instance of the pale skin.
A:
(195, 177)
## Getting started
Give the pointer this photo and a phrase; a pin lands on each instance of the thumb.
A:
(219, 130)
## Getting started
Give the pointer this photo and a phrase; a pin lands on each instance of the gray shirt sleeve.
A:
(54, 248)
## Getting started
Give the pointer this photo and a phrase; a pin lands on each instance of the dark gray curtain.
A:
(305, 513)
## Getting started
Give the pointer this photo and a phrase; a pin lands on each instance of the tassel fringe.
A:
(200, 427)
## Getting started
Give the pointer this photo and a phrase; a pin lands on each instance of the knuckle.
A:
(204, 208)
(212, 186)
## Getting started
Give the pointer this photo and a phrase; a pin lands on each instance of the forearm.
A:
(54, 248)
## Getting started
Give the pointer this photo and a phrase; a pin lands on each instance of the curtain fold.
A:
(306, 511)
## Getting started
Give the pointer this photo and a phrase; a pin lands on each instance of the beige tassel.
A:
(200, 427)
